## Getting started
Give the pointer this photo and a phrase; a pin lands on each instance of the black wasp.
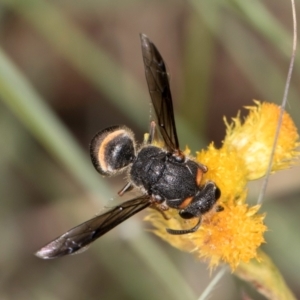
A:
(166, 177)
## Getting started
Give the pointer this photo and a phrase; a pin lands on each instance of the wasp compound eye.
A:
(186, 214)
(217, 193)
(112, 149)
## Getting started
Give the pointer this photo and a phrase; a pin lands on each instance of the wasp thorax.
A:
(112, 149)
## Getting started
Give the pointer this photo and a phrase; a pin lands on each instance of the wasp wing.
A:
(79, 237)
(159, 89)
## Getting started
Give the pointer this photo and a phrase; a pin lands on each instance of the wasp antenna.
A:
(185, 231)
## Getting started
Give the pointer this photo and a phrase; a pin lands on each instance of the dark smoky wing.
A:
(159, 89)
(77, 238)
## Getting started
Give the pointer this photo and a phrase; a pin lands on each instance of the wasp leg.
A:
(219, 208)
(128, 187)
(151, 134)
(203, 167)
(162, 208)
(185, 231)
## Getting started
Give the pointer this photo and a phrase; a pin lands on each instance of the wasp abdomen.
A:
(112, 149)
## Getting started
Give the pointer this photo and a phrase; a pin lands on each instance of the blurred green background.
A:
(70, 68)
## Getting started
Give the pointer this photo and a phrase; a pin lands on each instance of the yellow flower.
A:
(253, 139)
(234, 234)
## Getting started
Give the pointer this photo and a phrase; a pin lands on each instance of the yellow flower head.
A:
(234, 234)
(255, 137)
